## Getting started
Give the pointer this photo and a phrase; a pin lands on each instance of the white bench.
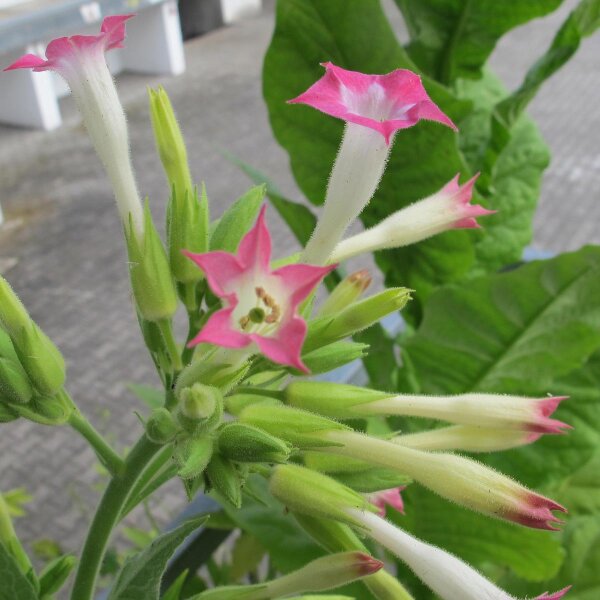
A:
(153, 45)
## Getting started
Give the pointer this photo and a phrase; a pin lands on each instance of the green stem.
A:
(104, 451)
(11, 542)
(167, 332)
(107, 517)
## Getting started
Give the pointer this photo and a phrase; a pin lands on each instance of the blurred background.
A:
(61, 243)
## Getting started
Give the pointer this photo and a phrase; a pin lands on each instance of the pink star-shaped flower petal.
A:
(384, 103)
(67, 52)
(260, 305)
(385, 498)
(555, 596)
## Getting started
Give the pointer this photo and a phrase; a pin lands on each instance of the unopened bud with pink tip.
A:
(450, 208)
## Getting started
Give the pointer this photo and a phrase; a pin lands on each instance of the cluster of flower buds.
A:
(32, 369)
(251, 327)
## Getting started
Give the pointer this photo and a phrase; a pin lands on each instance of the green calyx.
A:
(354, 318)
(330, 399)
(244, 443)
(149, 271)
(161, 427)
(226, 479)
(192, 455)
(345, 293)
(13, 315)
(330, 357)
(40, 359)
(47, 410)
(297, 427)
(200, 408)
(305, 491)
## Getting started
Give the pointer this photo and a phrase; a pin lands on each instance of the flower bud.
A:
(348, 291)
(335, 400)
(332, 356)
(326, 573)
(468, 438)
(200, 408)
(459, 479)
(149, 272)
(55, 574)
(338, 537)
(14, 385)
(245, 443)
(308, 492)
(13, 315)
(161, 427)
(7, 350)
(223, 476)
(354, 318)
(192, 456)
(169, 141)
(187, 229)
(298, 427)
(40, 358)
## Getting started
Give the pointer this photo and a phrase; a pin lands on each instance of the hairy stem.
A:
(104, 451)
(107, 517)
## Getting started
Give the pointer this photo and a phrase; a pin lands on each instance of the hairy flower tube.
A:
(300, 490)
(261, 305)
(456, 478)
(374, 108)
(80, 60)
(477, 409)
(449, 208)
(444, 573)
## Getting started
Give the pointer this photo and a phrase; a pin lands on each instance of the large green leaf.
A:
(141, 575)
(13, 584)
(454, 38)
(424, 157)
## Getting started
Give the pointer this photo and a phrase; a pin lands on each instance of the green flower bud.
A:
(169, 141)
(223, 476)
(200, 408)
(14, 385)
(332, 356)
(47, 410)
(55, 574)
(13, 315)
(354, 318)
(40, 358)
(308, 492)
(338, 537)
(7, 414)
(236, 403)
(297, 427)
(187, 229)
(192, 456)
(223, 376)
(348, 291)
(245, 443)
(161, 427)
(149, 272)
(330, 399)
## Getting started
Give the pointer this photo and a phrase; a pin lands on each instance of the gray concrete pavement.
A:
(71, 270)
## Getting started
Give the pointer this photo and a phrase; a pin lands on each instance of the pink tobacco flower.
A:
(449, 208)
(385, 498)
(65, 53)
(80, 60)
(384, 103)
(260, 305)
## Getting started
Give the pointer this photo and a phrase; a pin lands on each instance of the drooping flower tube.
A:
(449, 208)
(374, 108)
(80, 60)
(444, 573)
(261, 305)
